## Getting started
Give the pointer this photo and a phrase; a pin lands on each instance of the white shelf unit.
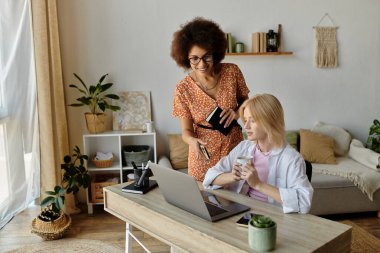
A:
(114, 141)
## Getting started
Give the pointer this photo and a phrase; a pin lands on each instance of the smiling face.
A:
(255, 132)
(201, 61)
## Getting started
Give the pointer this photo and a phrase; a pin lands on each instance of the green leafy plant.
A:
(261, 221)
(94, 96)
(373, 141)
(75, 176)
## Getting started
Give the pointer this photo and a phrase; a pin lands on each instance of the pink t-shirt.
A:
(260, 162)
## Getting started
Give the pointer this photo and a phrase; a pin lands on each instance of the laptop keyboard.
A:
(214, 210)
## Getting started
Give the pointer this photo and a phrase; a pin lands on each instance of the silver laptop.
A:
(182, 190)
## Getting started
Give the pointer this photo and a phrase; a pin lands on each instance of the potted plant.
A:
(373, 141)
(97, 100)
(262, 232)
(52, 222)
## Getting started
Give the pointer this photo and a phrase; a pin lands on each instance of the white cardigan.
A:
(287, 172)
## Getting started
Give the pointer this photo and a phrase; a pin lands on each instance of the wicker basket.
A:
(99, 181)
(51, 230)
(102, 163)
(136, 153)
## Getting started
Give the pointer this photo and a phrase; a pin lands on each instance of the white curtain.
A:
(19, 137)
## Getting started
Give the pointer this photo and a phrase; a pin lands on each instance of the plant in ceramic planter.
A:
(95, 97)
(262, 233)
(52, 222)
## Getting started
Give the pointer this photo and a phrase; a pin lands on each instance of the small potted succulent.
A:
(97, 100)
(52, 222)
(262, 233)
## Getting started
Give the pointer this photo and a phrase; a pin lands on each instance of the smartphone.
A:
(204, 151)
(243, 221)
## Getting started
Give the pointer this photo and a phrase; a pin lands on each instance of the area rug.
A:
(69, 245)
(362, 241)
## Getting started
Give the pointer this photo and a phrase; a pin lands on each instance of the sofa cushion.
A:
(179, 151)
(316, 147)
(292, 138)
(342, 137)
(319, 181)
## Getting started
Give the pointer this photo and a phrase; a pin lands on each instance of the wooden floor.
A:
(107, 228)
(100, 226)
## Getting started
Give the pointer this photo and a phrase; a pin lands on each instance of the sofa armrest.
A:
(164, 161)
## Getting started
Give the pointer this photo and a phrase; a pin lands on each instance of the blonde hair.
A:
(267, 111)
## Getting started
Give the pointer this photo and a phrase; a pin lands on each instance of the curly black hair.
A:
(202, 33)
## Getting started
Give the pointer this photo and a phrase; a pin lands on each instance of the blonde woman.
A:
(276, 172)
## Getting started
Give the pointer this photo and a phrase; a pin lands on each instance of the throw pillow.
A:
(292, 138)
(179, 151)
(342, 137)
(316, 147)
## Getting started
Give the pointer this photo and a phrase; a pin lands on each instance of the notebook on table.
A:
(182, 190)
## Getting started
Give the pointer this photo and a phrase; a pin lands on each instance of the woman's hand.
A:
(194, 145)
(227, 116)
(236, 172)
(249, 173)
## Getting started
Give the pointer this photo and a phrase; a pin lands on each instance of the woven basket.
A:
(136, 153)
(51, 230)
(102, 163)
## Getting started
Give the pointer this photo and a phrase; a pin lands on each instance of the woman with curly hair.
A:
(199, 47)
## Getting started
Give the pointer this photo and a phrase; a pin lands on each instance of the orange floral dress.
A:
(191, 102)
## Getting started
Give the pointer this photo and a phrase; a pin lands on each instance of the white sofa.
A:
(332, 194)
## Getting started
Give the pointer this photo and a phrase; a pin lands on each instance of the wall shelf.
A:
(259, 54)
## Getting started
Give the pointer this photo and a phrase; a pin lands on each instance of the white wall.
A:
(131, 40)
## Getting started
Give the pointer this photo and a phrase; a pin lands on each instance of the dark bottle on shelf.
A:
(272, 41)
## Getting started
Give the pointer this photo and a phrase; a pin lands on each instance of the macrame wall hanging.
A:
(326, 46)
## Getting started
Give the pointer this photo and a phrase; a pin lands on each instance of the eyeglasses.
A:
(206, 58)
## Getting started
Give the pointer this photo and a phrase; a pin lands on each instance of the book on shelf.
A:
(132, 188)
(256, 42)
(263, 42)
(214, 118)
(229, 43)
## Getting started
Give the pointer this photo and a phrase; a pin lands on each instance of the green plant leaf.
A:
(50, 193)
(112, 96)
(92, 89)
(84, 100)
(55, 208)
(47, 201)
(114, 107)
(102, 78)
(86, 180)
(79, 89)
(102, 106)
(80, 80)
(59, 203)
(106, 86)
(61, 192)
(57, 189)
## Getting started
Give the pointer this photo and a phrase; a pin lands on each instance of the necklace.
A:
(204, 87)
(261, 151)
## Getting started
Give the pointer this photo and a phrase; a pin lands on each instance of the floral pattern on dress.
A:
(191, 102)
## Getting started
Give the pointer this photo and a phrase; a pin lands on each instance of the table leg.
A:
(176, 250)
(128, 238)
